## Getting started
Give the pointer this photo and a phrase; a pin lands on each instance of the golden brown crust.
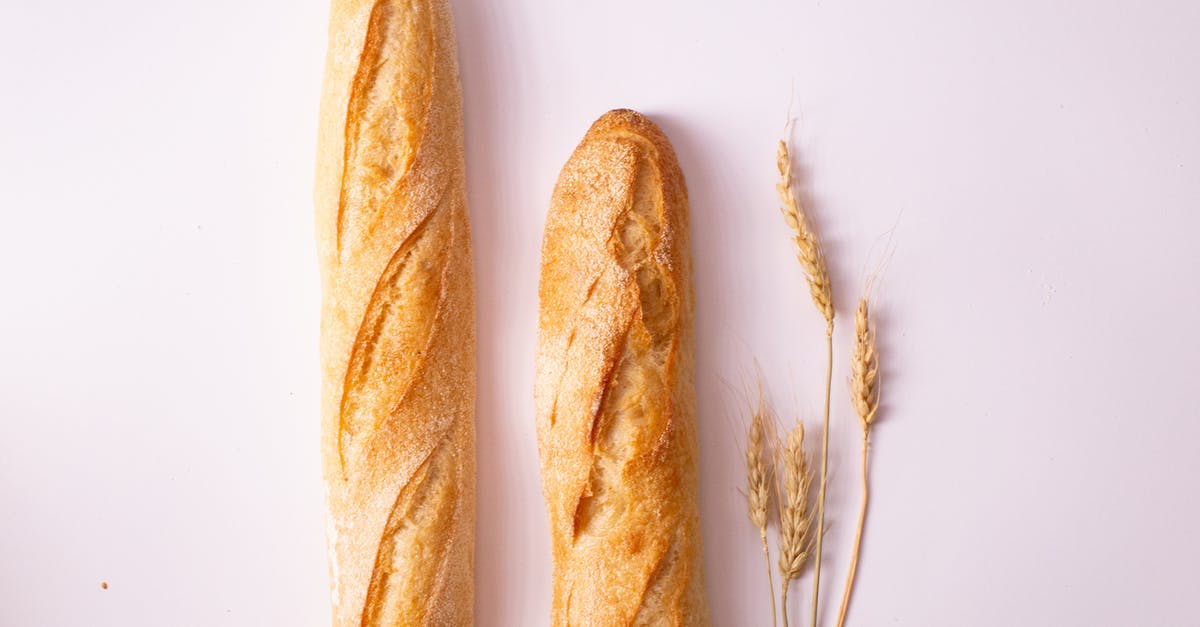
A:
(615, 397)
(397, 323)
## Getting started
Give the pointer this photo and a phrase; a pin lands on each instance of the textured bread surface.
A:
(615, 397)
(397, 318)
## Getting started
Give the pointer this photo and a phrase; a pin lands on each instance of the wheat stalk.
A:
(864, 396)
(758, 482)
(816, 273)
(795, 516)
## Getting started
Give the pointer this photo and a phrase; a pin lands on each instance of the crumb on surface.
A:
(104, 585)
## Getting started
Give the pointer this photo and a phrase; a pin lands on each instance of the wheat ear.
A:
(795, 516)
(864, 395)
(808, 247)
(758, 482)
(812, 261)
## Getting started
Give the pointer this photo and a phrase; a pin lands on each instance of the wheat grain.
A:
(795, 515)
(795, 518)
(757, 480)
(808, 247)
(758, 483)
(864, 368)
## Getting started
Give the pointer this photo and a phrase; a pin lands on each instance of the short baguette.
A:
(615, 398)
(397, 323)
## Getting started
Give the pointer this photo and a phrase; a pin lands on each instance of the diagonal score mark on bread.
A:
(393, 341)
(651, 610)
(389, 364)
(615, 400)
(398, 335)
(396, 593)
(634, 381)
(385, 119)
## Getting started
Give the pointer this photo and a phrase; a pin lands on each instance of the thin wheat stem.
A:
(862, 518)
(824, 473)
(770, 580)
(785, 607)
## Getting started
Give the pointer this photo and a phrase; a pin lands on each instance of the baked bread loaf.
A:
(397, 318)
(615, 398)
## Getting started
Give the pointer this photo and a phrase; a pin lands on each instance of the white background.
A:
(1034, 168)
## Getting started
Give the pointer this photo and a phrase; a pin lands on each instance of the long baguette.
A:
(397, 319)
(615, 398)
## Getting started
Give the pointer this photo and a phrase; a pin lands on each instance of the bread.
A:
(397, 318)
(615, 398)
